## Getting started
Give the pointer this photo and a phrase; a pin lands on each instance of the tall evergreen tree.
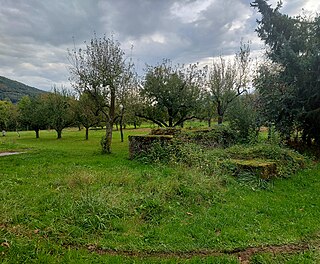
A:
(293, 83)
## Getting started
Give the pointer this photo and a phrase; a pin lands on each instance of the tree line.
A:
(286, 92)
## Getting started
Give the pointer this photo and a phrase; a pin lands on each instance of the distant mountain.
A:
(14, 90)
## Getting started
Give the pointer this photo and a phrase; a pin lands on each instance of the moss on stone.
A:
(265, 169)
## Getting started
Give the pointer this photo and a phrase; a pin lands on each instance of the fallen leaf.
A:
(5, 244)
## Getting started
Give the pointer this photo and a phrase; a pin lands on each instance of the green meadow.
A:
(62, 201)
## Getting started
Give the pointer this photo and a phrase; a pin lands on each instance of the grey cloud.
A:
(135, 18)
(53, 22)
(211, 35)
(36, 34)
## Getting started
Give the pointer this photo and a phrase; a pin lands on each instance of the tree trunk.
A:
(170, 114)
(220, 113)
(59, 133)
(87, 133)
(37, 133)
(170, 121)
(121, 130)
(106, 141)
(209, 122)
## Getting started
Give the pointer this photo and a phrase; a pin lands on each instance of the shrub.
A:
(166, 131)
(244, 119)
(143, 146)
(219, 136)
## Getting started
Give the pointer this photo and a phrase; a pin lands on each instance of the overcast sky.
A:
(36, 34)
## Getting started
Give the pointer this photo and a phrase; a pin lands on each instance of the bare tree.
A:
(228, 79)
(101, 70)
(126, 90)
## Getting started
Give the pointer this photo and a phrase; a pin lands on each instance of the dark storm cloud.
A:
(36, 34)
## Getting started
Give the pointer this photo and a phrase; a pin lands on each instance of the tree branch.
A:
(158, 122)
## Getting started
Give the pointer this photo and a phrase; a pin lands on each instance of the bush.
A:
(221, 161)
(143, 146)
(166, 131)
(219, 136)
(244, 119)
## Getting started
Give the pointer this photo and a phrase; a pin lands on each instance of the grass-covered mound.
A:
(214, 152)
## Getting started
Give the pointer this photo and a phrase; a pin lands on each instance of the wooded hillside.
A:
(13, 90)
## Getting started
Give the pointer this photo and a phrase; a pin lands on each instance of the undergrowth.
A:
(219, 161)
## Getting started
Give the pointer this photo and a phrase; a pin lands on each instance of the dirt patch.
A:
(10, 153)
(243, 255)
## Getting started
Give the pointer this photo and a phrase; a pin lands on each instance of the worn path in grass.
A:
(243, 255)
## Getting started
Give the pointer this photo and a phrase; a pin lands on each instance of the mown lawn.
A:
(62, 201)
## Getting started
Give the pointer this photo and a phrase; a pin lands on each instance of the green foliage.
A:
(217, 161)
(166, 131)
(86, 112)
(58, 109)
(207, 109)
(150, 147)
(305, 256)
(171, 93)
(188, 147)
(8, 116)
(244, 118)
(217, 136)
(289, 87)
(32, 113)
(248, 178)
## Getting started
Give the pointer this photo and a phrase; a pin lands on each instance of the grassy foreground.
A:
(62, 201)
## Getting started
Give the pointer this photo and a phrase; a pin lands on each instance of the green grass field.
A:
(64, 202)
